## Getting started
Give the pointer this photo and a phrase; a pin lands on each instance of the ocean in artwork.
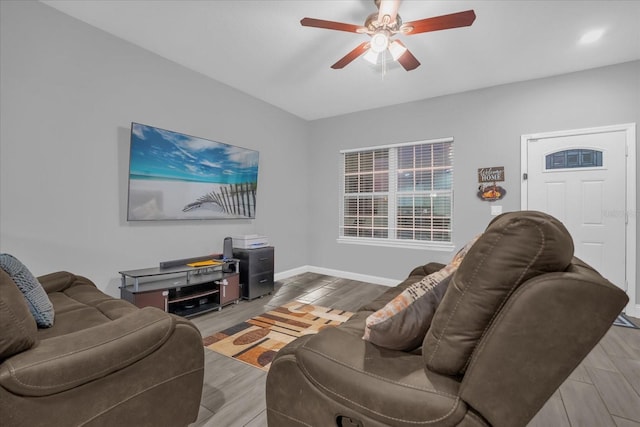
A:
(177, 176)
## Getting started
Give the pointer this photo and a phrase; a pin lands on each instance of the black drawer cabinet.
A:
(256, 271)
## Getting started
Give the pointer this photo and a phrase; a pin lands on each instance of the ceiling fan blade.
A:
(346, 60)
(332, 25)
(407, 60)
(444, 22)
(390, 8)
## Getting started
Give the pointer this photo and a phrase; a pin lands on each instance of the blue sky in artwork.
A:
(162, 154)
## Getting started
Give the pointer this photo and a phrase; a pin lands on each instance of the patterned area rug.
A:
(257, 340)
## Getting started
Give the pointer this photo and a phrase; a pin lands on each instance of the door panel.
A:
(556, 198)
(580, 179)
(592, 205)
(593, 251)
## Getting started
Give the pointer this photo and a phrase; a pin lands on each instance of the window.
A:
(398, 195)
(575, 158)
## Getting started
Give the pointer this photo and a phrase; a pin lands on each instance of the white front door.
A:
(581, 179)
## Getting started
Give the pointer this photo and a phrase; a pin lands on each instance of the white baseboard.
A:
(633, 310)
(290, 273)
(337, 273)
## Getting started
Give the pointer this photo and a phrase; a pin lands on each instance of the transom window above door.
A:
(573, 158)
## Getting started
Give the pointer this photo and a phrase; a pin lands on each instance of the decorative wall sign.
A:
(488, 189)
(491, 192)
(493, 174)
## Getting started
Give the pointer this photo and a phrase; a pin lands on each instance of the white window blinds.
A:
(400, 193)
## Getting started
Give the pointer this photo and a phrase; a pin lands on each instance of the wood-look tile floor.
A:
(603, 391)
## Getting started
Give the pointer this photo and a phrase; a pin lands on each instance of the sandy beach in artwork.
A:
(151, 199)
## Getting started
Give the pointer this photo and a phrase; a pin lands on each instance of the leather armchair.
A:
(103, 363)
(518, 316)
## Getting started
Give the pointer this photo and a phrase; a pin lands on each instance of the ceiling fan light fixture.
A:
(371, 57)
(379, 41)
(385, 24)
(397, 50)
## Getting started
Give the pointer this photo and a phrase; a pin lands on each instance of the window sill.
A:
(431, 246)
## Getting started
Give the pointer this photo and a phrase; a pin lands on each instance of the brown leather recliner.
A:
(104, 362)
(518, 316)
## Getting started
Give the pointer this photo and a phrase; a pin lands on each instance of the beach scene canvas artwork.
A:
(175, 176)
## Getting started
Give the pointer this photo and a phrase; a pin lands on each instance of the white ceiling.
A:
(260, 48)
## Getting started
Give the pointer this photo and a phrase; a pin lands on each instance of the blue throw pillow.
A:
(37, 299)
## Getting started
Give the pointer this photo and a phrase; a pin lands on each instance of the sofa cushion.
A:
(37, 299)
(81, 305)
(18, 330)
(515, 247)
(403, 322)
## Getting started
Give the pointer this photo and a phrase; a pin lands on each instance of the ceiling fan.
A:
(385, 24)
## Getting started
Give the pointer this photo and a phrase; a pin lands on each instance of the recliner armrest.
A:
(64, 362)
(383, 384)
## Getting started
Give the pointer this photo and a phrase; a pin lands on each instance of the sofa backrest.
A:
(540, 336)
(515, 247)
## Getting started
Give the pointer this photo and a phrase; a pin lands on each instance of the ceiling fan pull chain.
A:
(383, 57)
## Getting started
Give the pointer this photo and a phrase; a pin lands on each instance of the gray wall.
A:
(486, 126)
(69, 93)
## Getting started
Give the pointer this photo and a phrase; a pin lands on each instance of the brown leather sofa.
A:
(104, 362)
(517, 317)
